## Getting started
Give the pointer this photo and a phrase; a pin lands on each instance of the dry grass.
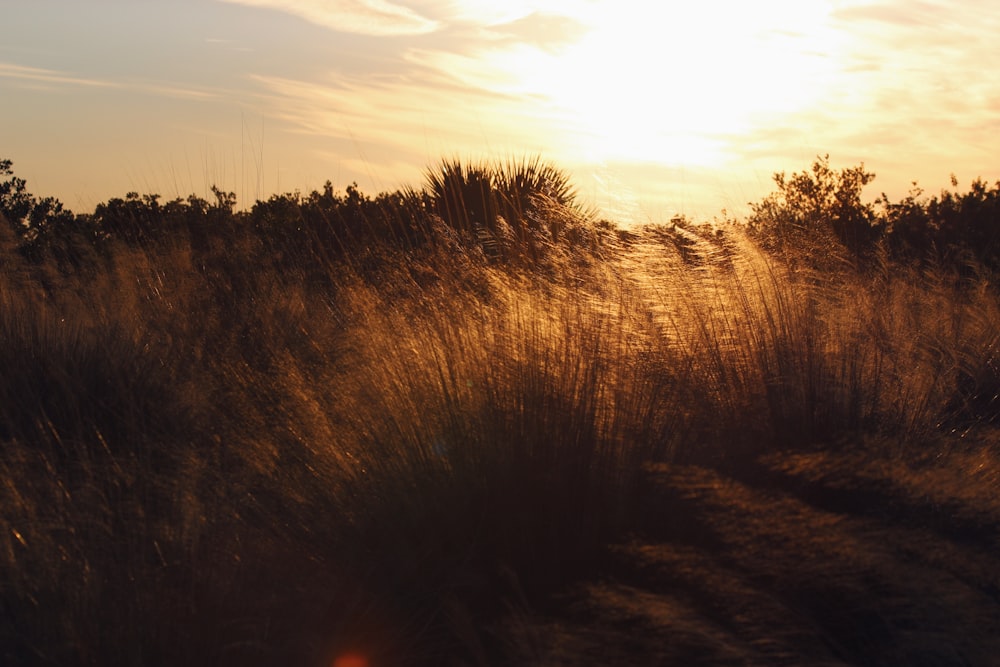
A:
(229, 464)
(769, 354)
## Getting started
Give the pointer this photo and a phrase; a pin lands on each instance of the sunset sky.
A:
(654, 108)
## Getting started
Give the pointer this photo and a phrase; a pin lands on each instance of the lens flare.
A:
(350, 659)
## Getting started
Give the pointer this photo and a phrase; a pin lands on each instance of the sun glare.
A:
(666, 84)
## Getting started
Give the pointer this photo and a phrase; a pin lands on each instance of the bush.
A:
(813, 210)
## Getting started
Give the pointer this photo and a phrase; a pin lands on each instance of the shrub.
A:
(813, 209)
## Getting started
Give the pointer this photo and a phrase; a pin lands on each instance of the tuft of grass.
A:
(515, 209)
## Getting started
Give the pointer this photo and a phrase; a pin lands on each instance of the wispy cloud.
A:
(177, 92)
(365, 17)
(48, 77)
(922, 27)
(910, 13)
(546, 31)
(492, 13)
(396, 111)
(50, 80)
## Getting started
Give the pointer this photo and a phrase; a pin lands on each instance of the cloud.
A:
(546, 31)
(493, 13)
(48, 77)
(365, 17)
(909, 14)
(177, 92)
(918, 25)
(401, 114)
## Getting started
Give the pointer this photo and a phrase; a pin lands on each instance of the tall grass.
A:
(769, 353)
(210, 459)
(521, 400)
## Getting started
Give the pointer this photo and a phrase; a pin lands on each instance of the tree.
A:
(816, 207)
(15, 201)
(950, 228)
(39, 224)
(133, 219)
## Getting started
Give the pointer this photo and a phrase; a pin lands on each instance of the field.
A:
(474, 424)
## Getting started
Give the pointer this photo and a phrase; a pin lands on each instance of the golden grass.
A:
(229, 463)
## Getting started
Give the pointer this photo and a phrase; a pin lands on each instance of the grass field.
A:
(566, 444)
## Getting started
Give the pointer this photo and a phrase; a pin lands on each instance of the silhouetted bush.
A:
(952, 229)
(814, 210)
(43, 228)
(512, 210)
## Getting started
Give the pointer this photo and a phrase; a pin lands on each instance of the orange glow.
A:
(679, 107)
(350, 659)
(676, 86)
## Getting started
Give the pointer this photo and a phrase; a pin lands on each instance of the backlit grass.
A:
(209, 457)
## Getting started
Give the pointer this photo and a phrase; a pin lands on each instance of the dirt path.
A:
(807, 559)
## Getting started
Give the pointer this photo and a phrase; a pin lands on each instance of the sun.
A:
(661, 83)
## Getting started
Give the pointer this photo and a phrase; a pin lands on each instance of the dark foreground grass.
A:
(208, 458)
(821, 557)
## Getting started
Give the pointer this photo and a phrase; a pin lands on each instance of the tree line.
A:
(512, 210)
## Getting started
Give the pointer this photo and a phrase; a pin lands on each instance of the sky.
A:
(653, 109)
